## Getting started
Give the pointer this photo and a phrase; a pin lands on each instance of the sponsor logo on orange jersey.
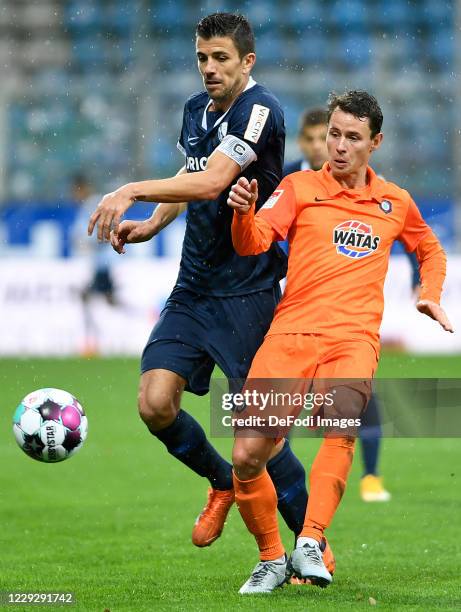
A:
(355, 239)
(271, 202)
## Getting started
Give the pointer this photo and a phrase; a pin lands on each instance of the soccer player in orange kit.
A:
(341, 222)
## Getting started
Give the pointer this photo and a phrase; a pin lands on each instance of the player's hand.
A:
(129, 232)
(109, 212)
(243, 195)
(436, 312)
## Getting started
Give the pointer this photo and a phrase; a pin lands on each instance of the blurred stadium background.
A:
(98, 87)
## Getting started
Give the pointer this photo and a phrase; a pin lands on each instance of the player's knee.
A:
(248, 462)
(156, 407)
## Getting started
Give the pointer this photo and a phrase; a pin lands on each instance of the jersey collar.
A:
(372, 191)
(251, 83)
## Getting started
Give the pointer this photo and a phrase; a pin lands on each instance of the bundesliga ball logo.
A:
(355, 239)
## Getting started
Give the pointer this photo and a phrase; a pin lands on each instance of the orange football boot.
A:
(210, 522)
(328, 559)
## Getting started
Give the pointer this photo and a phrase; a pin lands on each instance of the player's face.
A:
(349, 143)
(313, 144)
(225, 74)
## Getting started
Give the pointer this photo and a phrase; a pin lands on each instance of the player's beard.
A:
(227, 95)
(224, 96)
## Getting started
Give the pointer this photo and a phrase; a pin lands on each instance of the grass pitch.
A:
(113, 523)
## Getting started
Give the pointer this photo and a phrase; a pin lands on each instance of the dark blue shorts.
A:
(195, 332)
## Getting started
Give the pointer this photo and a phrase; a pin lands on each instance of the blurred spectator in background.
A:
(311, 141)
(99, 254)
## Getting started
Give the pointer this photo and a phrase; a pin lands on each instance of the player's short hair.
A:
(231, 25)
(360, 104)
(314, 116)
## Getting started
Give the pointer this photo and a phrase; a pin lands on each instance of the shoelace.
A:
(258, 575)
(311, 553)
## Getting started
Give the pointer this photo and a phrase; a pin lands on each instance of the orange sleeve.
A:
(251, 235)
(280, 209)
(414, 228)
(432, 267)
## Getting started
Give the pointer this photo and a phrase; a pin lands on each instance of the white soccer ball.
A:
(50, 425)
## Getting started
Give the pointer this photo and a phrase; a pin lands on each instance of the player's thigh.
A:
(345, 373)
(177, 343)
(282, 373)
(159, 397)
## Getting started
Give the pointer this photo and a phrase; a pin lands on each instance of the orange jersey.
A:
(340, 241)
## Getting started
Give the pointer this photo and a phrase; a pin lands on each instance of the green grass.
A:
(113, 523)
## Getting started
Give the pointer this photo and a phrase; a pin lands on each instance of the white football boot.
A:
(266, 576)
(306, 561)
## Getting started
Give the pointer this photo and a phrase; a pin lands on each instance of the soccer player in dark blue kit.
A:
(222, 304)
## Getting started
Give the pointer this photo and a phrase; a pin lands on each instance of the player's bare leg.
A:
(160, 395)
(159, 398)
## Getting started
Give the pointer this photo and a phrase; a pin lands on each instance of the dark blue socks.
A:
(186, 440)
(289, 479)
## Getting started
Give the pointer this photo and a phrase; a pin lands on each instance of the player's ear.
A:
(376, 142)
(248, 62)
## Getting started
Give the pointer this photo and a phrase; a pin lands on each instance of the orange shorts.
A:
(313, 356)
(328, 368)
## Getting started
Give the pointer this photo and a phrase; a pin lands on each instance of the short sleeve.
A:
(280, 209)
(414, 228)
(254, 120)
(253, 124)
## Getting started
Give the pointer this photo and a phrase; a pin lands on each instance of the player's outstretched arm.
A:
(432, 267)
(250, 235)
(207, 184)
(131, 232)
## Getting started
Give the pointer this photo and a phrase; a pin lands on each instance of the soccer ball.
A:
(50, 425)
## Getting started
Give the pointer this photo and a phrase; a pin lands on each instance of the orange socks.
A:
(257, 502)
(327, 479)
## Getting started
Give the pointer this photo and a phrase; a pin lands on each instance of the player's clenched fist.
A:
(109, 212)
(243, 195)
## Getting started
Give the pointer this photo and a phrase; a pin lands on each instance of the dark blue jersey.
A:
(252, 133)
